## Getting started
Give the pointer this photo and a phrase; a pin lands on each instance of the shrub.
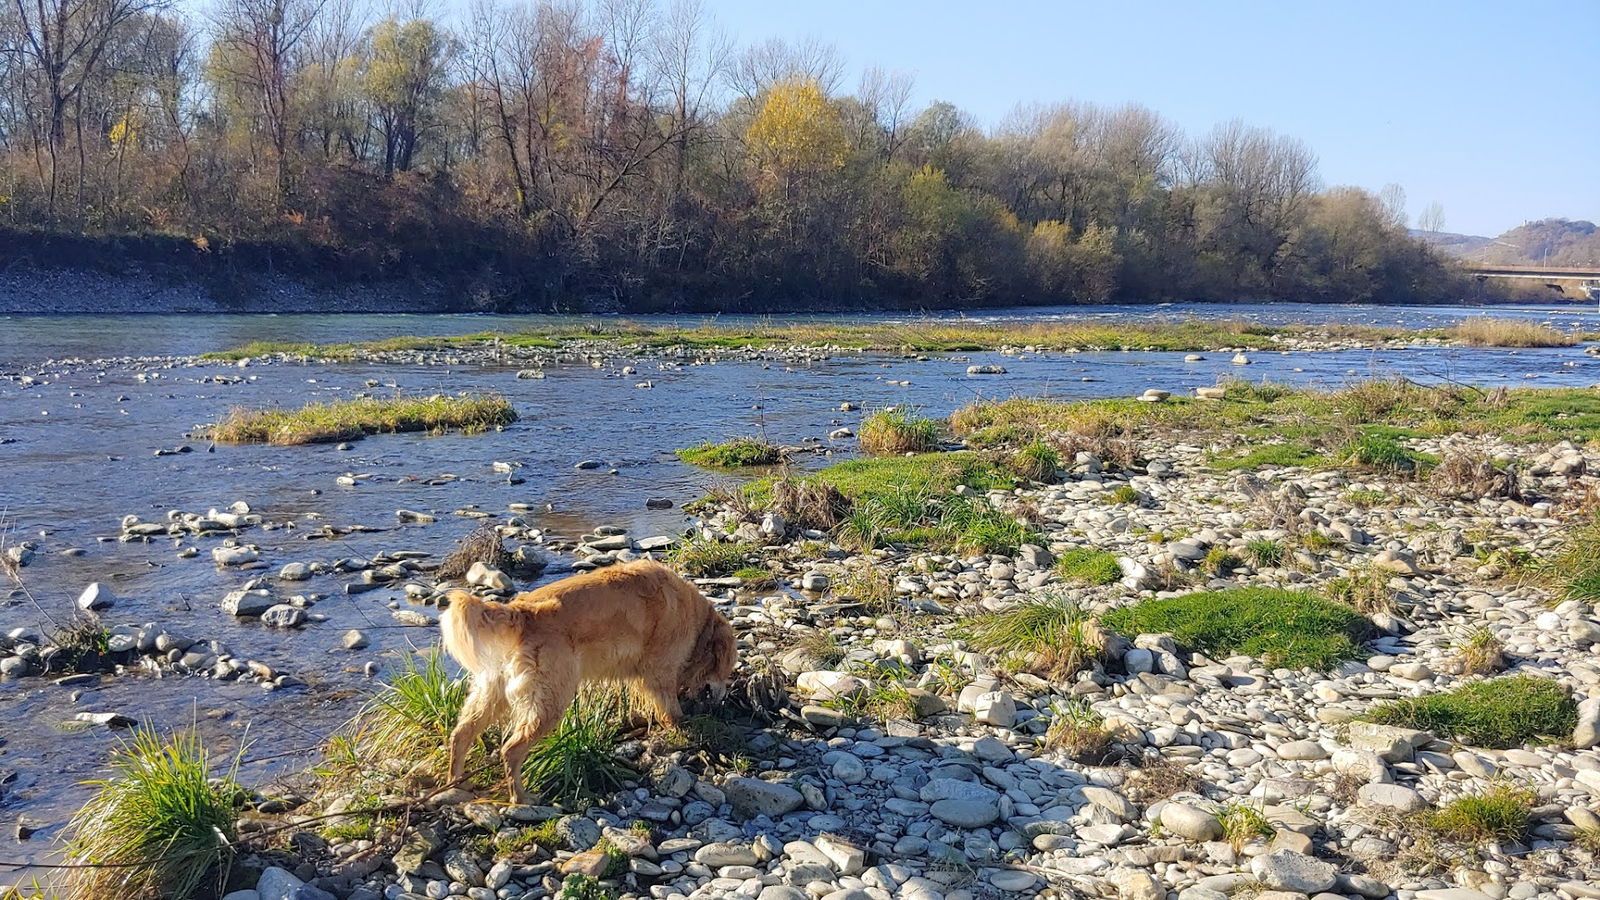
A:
(1285, 628)
(739, 453)
(1220, 561)
(575, 763)
(1265, 553)
(702, 557)
(822, 646)
(1500, 813)
(1501, 713)
(977, 527)
(1037, 461)
(1050, 633)
(1088, 566)
(869, 585)
(160, 822)
(351, 420)
(897, 431)
(1159, 778)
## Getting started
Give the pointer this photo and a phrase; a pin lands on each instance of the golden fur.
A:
(634, 622)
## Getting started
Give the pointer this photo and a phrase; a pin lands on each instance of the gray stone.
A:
(283, 615)
(280, 884)
(245, 604)
(1393, 796)
(755, 797)
(1190, 822)
(1286, 870)
(966, 813)
(726, 853)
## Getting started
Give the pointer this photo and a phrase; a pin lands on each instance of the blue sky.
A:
(1490, 108)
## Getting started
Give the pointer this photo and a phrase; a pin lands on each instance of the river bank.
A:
(377, 504)
(934, 712)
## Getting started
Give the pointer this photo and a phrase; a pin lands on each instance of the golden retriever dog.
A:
(636, 623)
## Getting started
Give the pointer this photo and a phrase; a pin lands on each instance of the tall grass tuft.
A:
(575, 764)
(703, 558)
(1037, 461)
(159, 819)
(1575, 571)
(897, 430)
(1050, 632)
(1501, 812)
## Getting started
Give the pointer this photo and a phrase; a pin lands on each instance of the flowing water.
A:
(77, 453)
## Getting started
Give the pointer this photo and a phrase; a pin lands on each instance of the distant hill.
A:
(1460, 246)
(1546, 242)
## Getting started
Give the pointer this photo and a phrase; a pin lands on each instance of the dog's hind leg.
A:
(539, 693)
(477, 713)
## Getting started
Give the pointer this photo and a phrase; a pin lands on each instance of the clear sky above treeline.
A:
(1491, 109)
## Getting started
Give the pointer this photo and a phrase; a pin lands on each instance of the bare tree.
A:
(63, 41)
(258, 50)
(763, 65)
(1393, 197)
(1432, 218)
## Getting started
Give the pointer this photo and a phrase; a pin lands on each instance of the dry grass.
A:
(809, 503)
(1481, 653)
(1482, 331)
(482, 545)
(349, 420)
(1160, 778)
(1465, 477)
(1081, 733)
(1052, 635)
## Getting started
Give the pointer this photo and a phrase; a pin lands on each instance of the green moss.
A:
(1500, 714)
(1285, 628)
(1088, 566)
(739, 453)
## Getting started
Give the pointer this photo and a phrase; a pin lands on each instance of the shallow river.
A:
(77, 454)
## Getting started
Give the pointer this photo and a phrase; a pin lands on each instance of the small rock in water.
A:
(96, 597)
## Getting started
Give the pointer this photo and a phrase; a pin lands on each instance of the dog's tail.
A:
(473, 632)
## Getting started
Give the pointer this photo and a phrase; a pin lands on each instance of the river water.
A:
(77, 453)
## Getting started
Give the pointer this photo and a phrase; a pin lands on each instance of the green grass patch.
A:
(1124, 493)
(159, 821)
(899, 431)
(1313, 420)
(1284, 628)
(1276, 455)
(1501, 713)
(349, 420)
(739, 453)
(1384, 453)
(1500, 813)
(703, 558)
(1085, 565)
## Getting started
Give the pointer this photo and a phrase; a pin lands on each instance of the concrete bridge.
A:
(1568, 281)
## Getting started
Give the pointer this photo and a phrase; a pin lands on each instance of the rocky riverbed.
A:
(963, 797)
(891, 758)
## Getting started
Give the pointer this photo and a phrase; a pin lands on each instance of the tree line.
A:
(539, 153)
